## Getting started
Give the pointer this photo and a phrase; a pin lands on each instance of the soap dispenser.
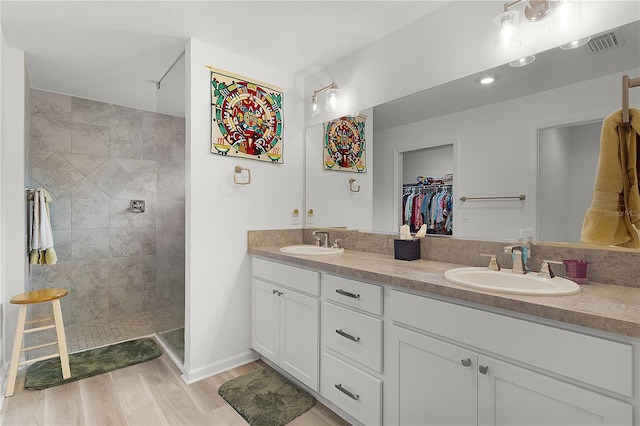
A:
(525, 243)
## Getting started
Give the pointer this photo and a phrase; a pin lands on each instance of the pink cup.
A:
(576, 270)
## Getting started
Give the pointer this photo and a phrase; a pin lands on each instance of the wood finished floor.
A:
(151, 393)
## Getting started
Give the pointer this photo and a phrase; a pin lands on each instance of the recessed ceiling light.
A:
(487, 79)
(576, 43)
(522, 61)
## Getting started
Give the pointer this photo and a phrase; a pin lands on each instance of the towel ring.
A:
(239, 169)
(351, 180)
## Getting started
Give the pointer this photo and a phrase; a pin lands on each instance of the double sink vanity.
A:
(385, 341)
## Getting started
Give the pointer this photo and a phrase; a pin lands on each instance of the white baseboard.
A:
(220, 366)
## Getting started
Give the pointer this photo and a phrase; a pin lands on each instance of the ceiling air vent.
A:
(606, 41)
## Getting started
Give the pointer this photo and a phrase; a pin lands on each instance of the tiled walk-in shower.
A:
(124, 268)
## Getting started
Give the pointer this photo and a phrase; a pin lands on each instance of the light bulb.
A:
(314, 106)
(507, 29)
(506, 35)
(332, 98)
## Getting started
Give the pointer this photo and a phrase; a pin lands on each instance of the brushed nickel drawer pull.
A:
(346, 293)
(347, 335)
(353, 396)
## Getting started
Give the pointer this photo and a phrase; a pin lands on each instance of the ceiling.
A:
(116, 51)
(551, 69)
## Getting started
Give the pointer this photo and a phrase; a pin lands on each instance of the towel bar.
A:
(515, 197)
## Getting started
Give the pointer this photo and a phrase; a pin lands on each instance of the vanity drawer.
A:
(356, 336)
(594, 360)
(352, 390)
(290, 276)
(357, 294)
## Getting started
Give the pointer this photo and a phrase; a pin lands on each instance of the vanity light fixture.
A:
(566, 13)
(522, 61)
(331, 99)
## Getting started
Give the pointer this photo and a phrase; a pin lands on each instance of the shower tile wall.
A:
(93, 158)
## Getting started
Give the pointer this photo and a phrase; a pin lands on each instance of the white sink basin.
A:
(309, 249)
(504, 281)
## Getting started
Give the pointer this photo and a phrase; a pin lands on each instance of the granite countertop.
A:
(611, 308)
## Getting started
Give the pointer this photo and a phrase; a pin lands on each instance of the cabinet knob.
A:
(274, 291)
(466, 362)
(483, 369)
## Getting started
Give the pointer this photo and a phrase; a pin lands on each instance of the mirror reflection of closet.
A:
(567, 163)
(434, 162)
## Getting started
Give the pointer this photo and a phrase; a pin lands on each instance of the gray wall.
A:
(93, 158)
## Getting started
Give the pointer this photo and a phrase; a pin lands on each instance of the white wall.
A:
(13, 255)
(219, 213)
(428, 162)
(327, 191)
(554, 154)
(583, 163)
(3, 321)
(490, 163)
(419, 56)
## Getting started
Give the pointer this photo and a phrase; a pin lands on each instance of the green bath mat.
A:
(48, 373)
(265, 398)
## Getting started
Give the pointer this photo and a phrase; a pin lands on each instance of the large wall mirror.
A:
(561, 98)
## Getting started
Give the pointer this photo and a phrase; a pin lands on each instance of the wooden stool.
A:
(52, 295)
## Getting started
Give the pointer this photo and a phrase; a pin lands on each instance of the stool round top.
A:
(39, 296)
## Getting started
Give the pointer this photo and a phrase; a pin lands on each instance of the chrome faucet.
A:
(518, 259)
(326, 238)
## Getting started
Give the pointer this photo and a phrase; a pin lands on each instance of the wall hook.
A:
(239, 169)
(351, 180)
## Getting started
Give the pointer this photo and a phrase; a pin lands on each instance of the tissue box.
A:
(406, 249)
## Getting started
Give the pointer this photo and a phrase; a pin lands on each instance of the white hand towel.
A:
(46, 236)
(42, 251)
(35, 222)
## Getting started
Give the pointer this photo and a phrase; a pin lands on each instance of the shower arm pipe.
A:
(169, 70)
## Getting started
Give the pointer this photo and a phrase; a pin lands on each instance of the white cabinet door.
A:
(265, 330)
(510, 395)
(299, 332)
(437, 381)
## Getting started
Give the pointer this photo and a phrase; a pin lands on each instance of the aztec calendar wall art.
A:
(344, 144)
(246, 118)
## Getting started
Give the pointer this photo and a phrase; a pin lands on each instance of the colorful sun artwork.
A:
(344, 144)
(246, 118)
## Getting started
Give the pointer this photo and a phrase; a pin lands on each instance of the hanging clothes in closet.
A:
(428, 204)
